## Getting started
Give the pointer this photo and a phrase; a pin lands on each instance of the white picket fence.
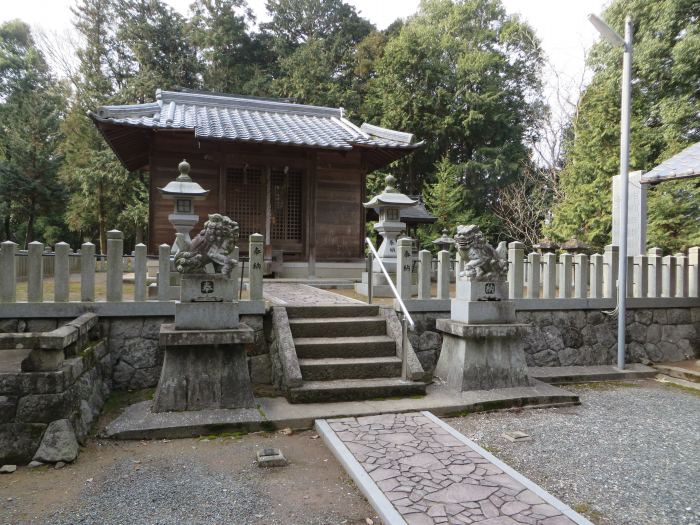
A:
(567, 276)
(15, 267)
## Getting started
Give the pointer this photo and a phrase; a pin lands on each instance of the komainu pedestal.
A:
(205, 364)
(482, 346)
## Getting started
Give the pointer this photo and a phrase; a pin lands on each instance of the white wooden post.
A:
(140, 271)
(681, 272)
(641, 276)
(164, 272)
(255, 271)
(516, 271)
(533, 275)
(403, 268)
(581, 279)
(87, 272)
(425, 258)
(443, 275)
(668, 276)
(694, 271)
(549, 278)
(629, 289)
(565, 278)
(115, 250)
(610, 263)
(655, 271)
(597, 266)
(35, 272)
(8, 272)
(61, 272)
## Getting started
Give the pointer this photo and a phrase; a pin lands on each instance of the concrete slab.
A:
(416, 469)
(686, 370)
(562, 375)
(138, 422)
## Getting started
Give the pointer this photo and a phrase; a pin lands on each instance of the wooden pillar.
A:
(310, 212)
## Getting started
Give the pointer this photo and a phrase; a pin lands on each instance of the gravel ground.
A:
(630, 454)
(188, 481)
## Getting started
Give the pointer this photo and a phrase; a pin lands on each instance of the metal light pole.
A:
(611, 36)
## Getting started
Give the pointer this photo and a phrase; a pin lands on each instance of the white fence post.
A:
(610, 263)
(516, 272)
(597, 267)
(641, 276)
(581, 275)
(8, 272)
(565, 265)
(35, 272)
(533, 275)
(425, 259)
(115, 273)
(443, 274)
(668, 276)
(403, 267)
(255, 271)
(549, 278)
(164, 272)
(87, 272)
(61, 272)
(140, 271)
(694, 272)
(655, 271)
(681, 272)
(629, 290)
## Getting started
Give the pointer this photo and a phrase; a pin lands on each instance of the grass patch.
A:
(688, 389)
(604, 385)
(237, 434)
(493, 450)
(121, 399)
(587, 510)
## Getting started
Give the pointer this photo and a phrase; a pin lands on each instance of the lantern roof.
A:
(390, 196)
(183, 185)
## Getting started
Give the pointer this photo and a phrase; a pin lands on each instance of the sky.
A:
(561, 25)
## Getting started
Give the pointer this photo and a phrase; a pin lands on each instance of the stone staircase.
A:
(345, 353)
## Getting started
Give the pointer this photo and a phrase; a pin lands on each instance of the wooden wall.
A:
(336, 232)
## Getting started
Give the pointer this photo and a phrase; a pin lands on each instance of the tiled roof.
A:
(682, 165)
(245, 119)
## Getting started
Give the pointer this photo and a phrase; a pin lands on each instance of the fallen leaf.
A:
(286, 431)
(369, 521)
(315, 436)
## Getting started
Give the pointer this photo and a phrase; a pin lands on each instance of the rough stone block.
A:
(678, 316)
(8, 407)
(19, 441)
(145, 378)
(58, 444)
(260, 369)
(122, 374)
(41, 325)
(141, 353)
(42, 408)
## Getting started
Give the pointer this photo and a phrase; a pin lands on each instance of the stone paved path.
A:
(431, 477)
(295, 294)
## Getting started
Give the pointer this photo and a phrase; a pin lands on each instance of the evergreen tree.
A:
(665, 105)
(444, 197)
(463, 76)
(32, 106)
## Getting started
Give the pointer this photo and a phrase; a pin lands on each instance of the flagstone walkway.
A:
(431, 474)
(296, 294)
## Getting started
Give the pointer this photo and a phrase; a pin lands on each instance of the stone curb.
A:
(387, 512)
(546, 496)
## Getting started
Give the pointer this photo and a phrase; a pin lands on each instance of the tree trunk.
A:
(30, 225)
(102, 221)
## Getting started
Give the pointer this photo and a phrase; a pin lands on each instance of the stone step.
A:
(354, 389)
(332, 310)
(349, 368)
(329, 347)
(337, 326)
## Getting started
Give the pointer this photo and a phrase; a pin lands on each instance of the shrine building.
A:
(292, 172)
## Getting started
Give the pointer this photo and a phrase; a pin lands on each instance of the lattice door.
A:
(246, 200)
(286, 220)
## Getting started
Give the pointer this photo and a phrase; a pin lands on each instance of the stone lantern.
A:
(444, 242)
(388, 205)
(183, 191)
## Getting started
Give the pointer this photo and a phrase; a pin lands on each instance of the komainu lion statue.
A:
(212, 246)
(483, 262)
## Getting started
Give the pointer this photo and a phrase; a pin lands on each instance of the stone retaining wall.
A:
(585, 337)
(53, 409)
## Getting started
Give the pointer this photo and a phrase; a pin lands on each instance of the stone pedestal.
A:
(480, 302)
(204, 369)
(206, 303)
(482, 356)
